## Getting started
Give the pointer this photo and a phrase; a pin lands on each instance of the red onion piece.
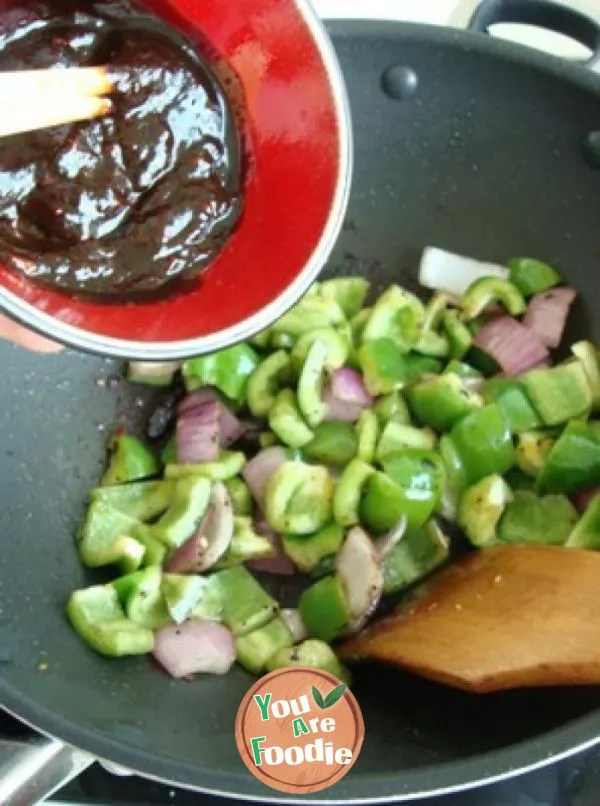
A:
(230, 428)
(293, 621)
(280, 563)
(547, 314)
(515, 347)
(259, 470)
(346, 396)
(197, 434)
(194, 647)
(582, 499)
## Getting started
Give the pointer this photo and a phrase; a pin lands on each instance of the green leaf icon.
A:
(335, 695)
(317, 697)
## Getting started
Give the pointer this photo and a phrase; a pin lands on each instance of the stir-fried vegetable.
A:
(331, 446)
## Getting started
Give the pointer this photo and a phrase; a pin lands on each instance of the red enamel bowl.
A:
(299, 164)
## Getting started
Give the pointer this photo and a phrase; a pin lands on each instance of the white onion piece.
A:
(155, 372)
(453, 274)
(547, 314)
(359, 570)
(512, 345)
(259, 470)
(230, 428)
(385, 544)
(211, 539)
(294, 623)
(197, 435)
(194, 647)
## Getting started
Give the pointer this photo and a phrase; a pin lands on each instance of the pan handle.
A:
(543, 14)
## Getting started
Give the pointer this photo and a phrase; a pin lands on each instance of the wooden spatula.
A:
(506, 617)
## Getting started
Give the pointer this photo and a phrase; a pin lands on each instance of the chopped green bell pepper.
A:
(130, 460)
(334, 444)
(227, 370)
(324, 609)
(310, 384)
(246, 545)
(435, 345)
(241, 497)
(385, 502)
(397, 315)
(480, 509)
(367, 430)
(254, 650)
(532, 451)
(312, 312)
(484, 443)
(442, 401)
(513, 402)
(586, 534)
(383, 365)
(188, 505)
(517, 480)
(299, 498)
(265, 381)
(348, 292)
(358, 324)
(420, 551)
(529, 519)
(312, 653)
(462, 370)
(97, 616)
(110, 536)
(168, 454)
(417, 366)
(434, 311)
(141, 596)
(211, 605)
(307, 551)
(458, 334)
(246, 604)
(532, 276)
(587, 353)
(324, 568)
(143, 500)
(392, 407)
(338, 348)
(573, 464)
(397, 438)
(456, 471)
(227, 466)
(182, 594)
(286, 421)
(560, 393)
(487, 291)
(349, 491)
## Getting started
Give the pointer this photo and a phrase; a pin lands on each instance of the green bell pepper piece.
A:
(560, 393)
(532, 451)
(587, 353)
(334, 444)
(299, 498)
(338, 348)
(487, 291)
(573, 464)
(182, 593)
(267, 439)
(586, 534)
(417, 366)
(358, 324)
(312, 653)
(168, 454)
(420, 551)
(392, 407)
(348, 492)
(265, 381)
(286, 421)
(310, 313)
(513, 402)
(97, 616)
(484, 443)
(310, 384)
(282, 341)
(110, 536)
(211, 606)
(141, 597)
(188, 505)
(397, 438)
(442, 401)
(434, 311)
(130, 460)
(385, 501)
(454, 466)
(532, 276)
(241, 497)
(307, 551)
(383, 365)
(349, 293)
(261, 340)
(418, 469)
(246, 604)
(367, 430)
(324, 568)
(458, 335)
(246, 545)
(227, 370)
(143, 500)
(397, 315)
(529, 519)
(227, 466)
(462, 370)
(324, 609)
(254, 650)
(433, 344)
(517, 480)
(480, 509)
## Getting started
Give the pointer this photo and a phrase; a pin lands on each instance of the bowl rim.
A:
(49, 326)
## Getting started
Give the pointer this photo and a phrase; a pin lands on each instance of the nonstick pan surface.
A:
(481, 154)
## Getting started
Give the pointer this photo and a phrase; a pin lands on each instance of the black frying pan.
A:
(475, 145)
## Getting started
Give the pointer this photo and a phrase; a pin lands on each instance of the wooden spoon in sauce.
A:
(505, 617)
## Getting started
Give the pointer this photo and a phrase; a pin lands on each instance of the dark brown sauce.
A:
(120, 206)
